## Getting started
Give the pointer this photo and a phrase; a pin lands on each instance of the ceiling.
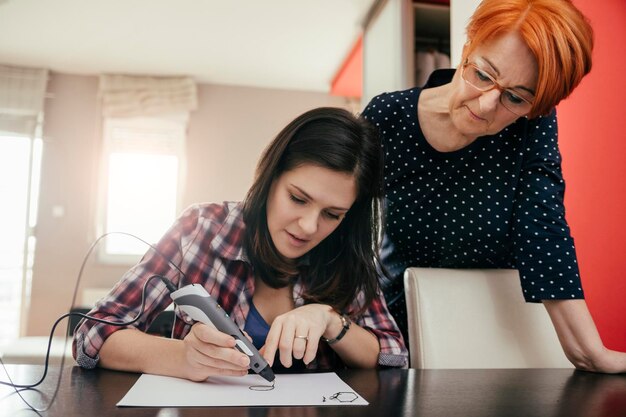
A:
(289, 44)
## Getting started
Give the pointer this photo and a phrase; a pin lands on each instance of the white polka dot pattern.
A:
(497, 203)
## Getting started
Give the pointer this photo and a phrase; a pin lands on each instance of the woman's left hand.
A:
(296, 334)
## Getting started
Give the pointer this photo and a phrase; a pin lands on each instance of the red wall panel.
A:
(592, 137)
(348, 81)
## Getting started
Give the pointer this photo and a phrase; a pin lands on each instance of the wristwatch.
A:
(345, 321)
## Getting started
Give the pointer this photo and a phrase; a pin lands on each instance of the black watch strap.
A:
(345, 321)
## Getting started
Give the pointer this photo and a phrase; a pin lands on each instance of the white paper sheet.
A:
(289, 390)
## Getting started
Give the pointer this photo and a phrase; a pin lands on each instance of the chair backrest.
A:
(477, 318)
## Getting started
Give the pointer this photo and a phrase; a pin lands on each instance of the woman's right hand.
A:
(209, 352)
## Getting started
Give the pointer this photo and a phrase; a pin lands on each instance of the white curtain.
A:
(136, 96)
(22, 92)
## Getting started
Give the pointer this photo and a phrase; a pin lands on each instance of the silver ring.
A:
(306, 338)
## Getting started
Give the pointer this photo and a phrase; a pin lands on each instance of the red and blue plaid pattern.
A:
(206, 243)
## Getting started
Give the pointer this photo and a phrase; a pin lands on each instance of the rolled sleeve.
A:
(378, 320)
(123, 303)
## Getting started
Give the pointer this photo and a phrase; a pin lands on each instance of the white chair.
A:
(476, 318)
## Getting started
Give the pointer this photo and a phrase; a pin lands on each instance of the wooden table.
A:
(393, 392)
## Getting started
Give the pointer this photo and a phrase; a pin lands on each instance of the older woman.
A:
(473, 170)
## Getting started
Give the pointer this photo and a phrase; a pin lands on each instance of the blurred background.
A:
(116, 115)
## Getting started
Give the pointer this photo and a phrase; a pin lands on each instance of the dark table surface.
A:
(393, 392)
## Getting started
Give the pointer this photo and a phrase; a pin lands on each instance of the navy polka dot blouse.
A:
(497, 203)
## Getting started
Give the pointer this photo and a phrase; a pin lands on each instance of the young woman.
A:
(294, 265)
(473, 170)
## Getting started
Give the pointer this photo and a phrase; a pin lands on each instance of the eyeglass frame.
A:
(495, 85)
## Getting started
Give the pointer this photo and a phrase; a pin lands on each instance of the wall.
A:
(348, 82)
(592, 137)
(387, 46)
(460, 12)
(226, 135)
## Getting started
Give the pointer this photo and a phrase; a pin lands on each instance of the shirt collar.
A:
(439, 77)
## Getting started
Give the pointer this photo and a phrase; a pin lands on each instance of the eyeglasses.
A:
(512, 100)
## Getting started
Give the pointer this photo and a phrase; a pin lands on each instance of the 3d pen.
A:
(196, 302)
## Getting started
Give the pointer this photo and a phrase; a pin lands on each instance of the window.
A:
(20, 162)
(22, 92)
(143, 160)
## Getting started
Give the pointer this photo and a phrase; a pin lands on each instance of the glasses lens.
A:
(512, 100)
(477, 78)
(515, 102)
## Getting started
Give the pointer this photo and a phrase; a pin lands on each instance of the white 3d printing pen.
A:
(196, 302)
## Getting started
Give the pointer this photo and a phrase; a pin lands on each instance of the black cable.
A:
(85, 316)
(93, 246)
(170, 287)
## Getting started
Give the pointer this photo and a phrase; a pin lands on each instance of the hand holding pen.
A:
(209, 352)
(198, 305)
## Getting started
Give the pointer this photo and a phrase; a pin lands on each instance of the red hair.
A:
(557, 33)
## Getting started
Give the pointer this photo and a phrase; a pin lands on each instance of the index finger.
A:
(271, 342)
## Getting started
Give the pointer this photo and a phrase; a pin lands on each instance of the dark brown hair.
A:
(344, 263)
(558, 34)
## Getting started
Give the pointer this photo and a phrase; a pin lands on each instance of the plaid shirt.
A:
(206, 243)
